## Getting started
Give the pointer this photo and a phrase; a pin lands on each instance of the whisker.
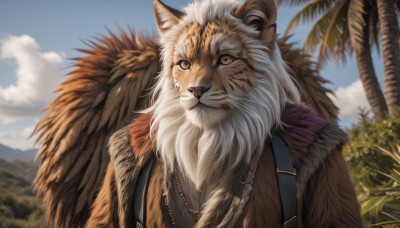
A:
(218, 99)
(185, 100)
(240, 105)
(244, 99)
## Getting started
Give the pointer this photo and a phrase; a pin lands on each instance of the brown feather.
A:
(308, 80)
(76, 126)
(94, 123)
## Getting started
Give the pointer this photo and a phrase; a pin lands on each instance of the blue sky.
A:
(53, 29)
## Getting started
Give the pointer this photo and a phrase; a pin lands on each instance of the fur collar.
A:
(310, 139)
(127, 166)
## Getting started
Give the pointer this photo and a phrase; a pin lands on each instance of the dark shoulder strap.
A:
(139, 200)
(286, 175)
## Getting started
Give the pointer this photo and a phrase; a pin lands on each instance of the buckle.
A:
(293, 173)
(290, 223)
(139, 225)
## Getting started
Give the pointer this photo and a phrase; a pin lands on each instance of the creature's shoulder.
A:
(130, 150)
(132, 141)
(310, 139)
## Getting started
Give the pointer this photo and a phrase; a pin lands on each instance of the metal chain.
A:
(166, 202)
(196, 214)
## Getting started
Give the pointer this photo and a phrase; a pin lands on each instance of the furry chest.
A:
(262, 209)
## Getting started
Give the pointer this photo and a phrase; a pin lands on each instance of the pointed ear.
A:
(165, 16)
(259, 14)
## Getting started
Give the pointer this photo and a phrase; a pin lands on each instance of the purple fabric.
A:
(301, 126)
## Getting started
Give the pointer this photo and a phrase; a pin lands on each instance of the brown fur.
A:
(157, 216)
(265, 195)
(329, 198)
(203, 57)
(321, 203)
(323, 206)
(141, 141)
(301, 63)
(103, 209)
(268, 28)
(116, 193)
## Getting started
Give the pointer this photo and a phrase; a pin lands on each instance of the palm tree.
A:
(389, 29)
(344, 27)
(359, 33)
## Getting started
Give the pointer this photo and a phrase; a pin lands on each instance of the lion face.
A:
(210, 68)
(210, 60)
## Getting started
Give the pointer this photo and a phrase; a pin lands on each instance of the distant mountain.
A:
(25, 170)
(11, 154)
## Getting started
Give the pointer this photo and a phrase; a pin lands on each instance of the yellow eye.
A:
(184, 64)
(225, 59)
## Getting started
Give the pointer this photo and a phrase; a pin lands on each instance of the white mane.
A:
(206, 153)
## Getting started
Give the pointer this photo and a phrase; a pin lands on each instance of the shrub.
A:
(373, 168)
(387, 198)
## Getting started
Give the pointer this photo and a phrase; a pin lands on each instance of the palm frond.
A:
(374, 26)
(387, 200)
(356, 23)
(328, 32)
(374, 205)
(344, 46)
(309, 13)
(394, 155)
(333, 35)
(291, 2)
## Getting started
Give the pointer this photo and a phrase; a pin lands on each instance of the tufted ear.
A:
(259, 14)
(165, 16)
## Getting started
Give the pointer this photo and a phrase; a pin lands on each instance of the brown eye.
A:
(184, 64)
(225, 59)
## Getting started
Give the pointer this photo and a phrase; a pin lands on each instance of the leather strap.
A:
(139, 200)
(286, 175)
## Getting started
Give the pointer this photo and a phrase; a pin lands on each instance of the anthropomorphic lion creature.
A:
(221, 96)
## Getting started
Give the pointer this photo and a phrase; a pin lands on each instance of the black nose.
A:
(198, 91)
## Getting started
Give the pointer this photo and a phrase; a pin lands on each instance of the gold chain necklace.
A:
(249, 181)
(171, 216)
(196, 214)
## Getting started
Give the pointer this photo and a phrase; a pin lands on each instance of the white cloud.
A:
(350, 99)
(37, 75)
(27, 131)
(18, 139)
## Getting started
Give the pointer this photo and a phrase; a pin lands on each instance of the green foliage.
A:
(363, 155)
(387, 199)
(374, 166)
(19, 208)
(27, 170)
